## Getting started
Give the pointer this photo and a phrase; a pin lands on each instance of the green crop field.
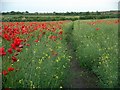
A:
(19, 18)
(37, 54)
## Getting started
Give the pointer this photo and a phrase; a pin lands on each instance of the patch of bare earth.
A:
(80, 77)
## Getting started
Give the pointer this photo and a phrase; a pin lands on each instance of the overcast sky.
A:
(59, 5)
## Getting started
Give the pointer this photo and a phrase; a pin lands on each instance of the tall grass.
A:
(96, 45)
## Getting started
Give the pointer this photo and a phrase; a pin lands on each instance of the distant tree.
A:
(54, 12)
(88, 13)
(72, 13)
(98, 13)
(67, 13)
(12, 12)
(27, 12)
(36, 13)
(92, 13)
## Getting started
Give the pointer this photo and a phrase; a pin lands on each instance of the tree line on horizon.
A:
(62, 13)
(55, 16)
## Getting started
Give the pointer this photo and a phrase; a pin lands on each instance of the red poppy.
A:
(2, 52)
(43, 25)
(14, 59)
(53, 37)
(61, 32)
(17, 41)
(36, 40)
(27, 44)
(10, 50)
(10, 69)
(97, 28)
(13, 46)
(1, 34)
(60, 38)
(4, 72)
(6, 36)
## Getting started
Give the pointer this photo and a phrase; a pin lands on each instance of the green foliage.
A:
(96, 47)
(35, 18)
(55, 16)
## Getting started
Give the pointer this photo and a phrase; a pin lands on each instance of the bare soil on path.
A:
(80, 77)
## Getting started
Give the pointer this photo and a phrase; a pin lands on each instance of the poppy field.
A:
(35, 54)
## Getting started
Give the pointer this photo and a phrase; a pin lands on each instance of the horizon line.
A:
(60, 11)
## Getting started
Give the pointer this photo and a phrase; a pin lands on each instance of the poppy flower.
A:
(53, 37)
(97, 28)
(1, 34)
(61, 32)
(6, 36)
(36, 41)
(13, 46)
(2, 52)
(60, 38)
(27, 44)
(4, 72)
(10, 69)
(10, 50)
(43, 25)
(14, 59)
(17, 41)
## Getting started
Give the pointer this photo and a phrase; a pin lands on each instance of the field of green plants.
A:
(96, 45)
(35, 54)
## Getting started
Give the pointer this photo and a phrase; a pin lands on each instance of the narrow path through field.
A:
(80, 77)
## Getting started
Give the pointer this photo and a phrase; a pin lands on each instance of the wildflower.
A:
(4, 72)
(36, 41)
(10, 69)
(10, 50)
(27, 44)
(17, 41)
(14, 58)
(61, 87)
(2, 52)
(13, 46)
(60, 38)
(6, 36)
(97, 28)
(53, 37)
(61, 32)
